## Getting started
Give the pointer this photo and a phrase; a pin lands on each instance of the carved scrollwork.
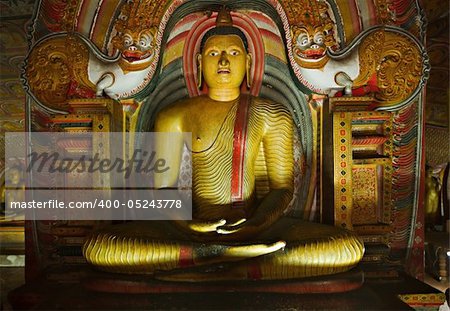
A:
(400, 69)
(395, 61)
(369, 56)
(56, 67)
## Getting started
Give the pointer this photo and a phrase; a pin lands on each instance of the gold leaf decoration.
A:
(400, 69)
(53, 65)
(395, 60)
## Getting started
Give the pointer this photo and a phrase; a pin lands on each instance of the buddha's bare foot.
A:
(252, 250)
(216, 254)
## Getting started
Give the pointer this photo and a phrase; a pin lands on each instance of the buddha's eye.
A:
(234, 53)
(213, 53)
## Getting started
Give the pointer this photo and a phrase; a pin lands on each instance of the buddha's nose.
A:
(223, 61)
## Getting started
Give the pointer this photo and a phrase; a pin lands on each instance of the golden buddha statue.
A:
(15, 183)
(236, 234)
(432, 189)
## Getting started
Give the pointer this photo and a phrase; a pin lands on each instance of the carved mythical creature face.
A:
(224, 61)
(309, 43)
(138, 46)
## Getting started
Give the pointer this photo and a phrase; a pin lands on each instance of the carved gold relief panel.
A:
(57, 67)
(362, 142)
(371, 191)
(365, 194)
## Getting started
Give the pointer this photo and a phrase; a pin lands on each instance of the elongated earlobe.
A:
(199, 70)
(248, 70)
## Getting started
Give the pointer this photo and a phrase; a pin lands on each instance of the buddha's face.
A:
(224, 61)
(14, 176)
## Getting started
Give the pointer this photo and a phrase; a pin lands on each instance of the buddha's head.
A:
(14, 175)
(224, 60)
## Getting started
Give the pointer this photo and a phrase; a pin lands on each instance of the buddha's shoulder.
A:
(265, 105)
(179, 108)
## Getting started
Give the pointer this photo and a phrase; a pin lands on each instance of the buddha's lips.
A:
(133, 56)
(223, 70)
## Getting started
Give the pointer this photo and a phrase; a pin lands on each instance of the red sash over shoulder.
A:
(239, 148)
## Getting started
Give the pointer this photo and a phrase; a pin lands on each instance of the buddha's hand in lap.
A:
(233, 228)
(206, 226)
(241, 228)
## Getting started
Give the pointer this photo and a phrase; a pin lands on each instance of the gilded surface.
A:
(253, 234)
(397, 63)
(369, 56)
(400, 69)
(212, 194)
(372, 181)
(53, 65)
(343, 187)
(365, 194)
(362, 165)
(397, 76)
(140, 248)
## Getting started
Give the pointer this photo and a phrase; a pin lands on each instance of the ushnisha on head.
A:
(224, 60)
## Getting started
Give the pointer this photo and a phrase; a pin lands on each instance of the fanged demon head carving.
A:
(309, 42)
(137, 29)
(137, 46)
(312, 33)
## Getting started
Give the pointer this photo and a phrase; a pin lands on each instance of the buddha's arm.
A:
(2, 190)
(169, 146)
(3, 198)
(278, 151)
(279, 155)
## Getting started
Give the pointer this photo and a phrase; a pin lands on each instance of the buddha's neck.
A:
(223, 95)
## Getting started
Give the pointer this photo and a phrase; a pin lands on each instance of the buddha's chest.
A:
(203, 138)
(210, 126)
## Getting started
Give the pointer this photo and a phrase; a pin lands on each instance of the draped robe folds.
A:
(311, 249)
